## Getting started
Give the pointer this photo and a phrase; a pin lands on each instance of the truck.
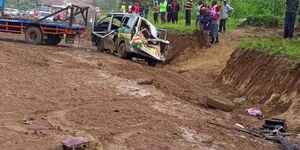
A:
(41, 31)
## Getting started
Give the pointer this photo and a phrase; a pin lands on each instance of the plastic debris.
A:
(255, 111)
(27, 120)
(239, 100)
(75, 143)
(239, 125)
(242, 136)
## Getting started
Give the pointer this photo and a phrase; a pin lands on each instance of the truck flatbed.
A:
(19, 25)
(45, 32)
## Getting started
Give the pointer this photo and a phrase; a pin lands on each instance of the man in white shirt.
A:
(224, 16)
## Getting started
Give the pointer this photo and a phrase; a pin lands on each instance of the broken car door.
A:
(111, 39)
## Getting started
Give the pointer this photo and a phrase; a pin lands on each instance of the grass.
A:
(180, 27)
(274, 46)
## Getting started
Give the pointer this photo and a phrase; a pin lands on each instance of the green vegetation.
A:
(274, 45)
(263, 21)
(265, 13)
(246, 8)
(21, 4)
(179, 28)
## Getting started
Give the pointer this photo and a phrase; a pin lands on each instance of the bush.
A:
(263, 21)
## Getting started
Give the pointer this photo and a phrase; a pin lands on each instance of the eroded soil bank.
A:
(266, 79)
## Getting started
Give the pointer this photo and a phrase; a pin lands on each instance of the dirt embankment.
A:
(184, 46)
(270, 80)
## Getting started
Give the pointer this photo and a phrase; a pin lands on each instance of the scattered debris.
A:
(231, 128)
(274, 130)
(220, 103)
(239, 100)
(287, 145)
(27, 120)
(75, 143)
(255, 111)
(243, 137)
(239, 125)
(274, 124)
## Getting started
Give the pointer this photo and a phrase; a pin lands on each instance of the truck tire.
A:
(52, 40)
(122, 51)
(220, 103)
(33, 35)
(100, 46)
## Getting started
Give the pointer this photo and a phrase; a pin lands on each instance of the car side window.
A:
(115, 24)
(128, 22)
(103, 24)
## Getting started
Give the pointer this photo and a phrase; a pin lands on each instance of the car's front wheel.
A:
(122, 51)
(100, 46)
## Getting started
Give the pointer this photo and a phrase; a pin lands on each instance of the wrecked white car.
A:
(131, 36)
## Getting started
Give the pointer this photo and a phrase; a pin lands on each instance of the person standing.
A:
(188, 10)
(123, 8)
(205, 25)
(142, 9)
(130, 8)
(175, 10)
(200, 5)
(290, 18)
(215, 9)
(224, 16)
(169, 11)
(155, 12)
(146, 10)
(136, 8)
(163, 10)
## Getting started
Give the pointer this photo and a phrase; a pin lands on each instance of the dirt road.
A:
(64, 92)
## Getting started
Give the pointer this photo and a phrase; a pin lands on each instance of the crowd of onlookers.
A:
(210, 18)
(141, 9)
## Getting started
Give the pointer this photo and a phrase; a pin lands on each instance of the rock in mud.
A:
(220, 103)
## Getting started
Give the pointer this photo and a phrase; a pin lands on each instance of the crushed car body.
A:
(130, 36)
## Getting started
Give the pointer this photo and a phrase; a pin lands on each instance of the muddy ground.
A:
(65, 91)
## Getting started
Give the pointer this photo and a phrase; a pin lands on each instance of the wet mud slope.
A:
(51, 94)
(273, 81)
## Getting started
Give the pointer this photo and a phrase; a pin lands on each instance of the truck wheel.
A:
(100, 46)
(33, 35)
(220, 103)
(122, 51)
(52, 40)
